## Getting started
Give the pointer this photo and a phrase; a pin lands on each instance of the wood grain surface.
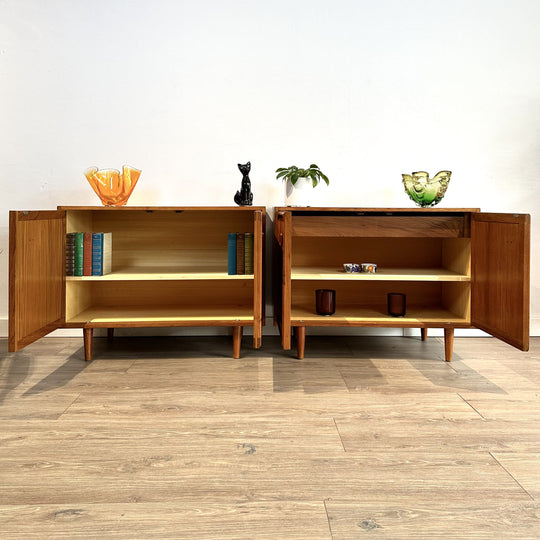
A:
(366, 437)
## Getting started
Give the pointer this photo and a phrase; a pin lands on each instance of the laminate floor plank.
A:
(175, 474)
(291, 405)
(202, 436)
(434, 519)
(173, 438)
(185, 520)
(471, 435)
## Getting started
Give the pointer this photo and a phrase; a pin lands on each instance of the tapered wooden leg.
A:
(237, 340)
(110, 333)
(88, 334)
(448, 343)
(300, 333)
(423, 333)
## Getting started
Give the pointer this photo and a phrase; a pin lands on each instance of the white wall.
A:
(185, 90)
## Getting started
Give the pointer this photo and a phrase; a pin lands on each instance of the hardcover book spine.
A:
(240, 255)
(97, 254)
(101, 254)
(87, 254)
(78, 254)
(70, 254)
(107, 253)
(231, 254)
(248, 253)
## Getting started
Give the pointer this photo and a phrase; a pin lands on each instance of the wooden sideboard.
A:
(169, 268)
(459, 268)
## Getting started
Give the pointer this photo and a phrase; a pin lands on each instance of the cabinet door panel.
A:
(500, 251)
(36, 275)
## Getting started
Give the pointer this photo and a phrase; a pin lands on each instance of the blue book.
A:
(101, 254)
(231, 254)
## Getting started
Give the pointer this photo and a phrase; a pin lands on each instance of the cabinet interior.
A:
(168, 267)
(192, 241)
(452, 254)
(434, 273)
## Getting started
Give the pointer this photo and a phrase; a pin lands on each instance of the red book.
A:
(87, 254)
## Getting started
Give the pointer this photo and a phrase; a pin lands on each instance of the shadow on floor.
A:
(331, 363)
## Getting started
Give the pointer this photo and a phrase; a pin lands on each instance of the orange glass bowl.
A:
(112, 187)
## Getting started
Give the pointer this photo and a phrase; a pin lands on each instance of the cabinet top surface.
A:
(415, 210)
(165, 208)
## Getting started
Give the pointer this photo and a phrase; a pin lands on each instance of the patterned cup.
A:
(369, 268)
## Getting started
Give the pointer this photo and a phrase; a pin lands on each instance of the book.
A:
(78, 253)
(70, 254)
(231, 254)
(87, 254)
(101, 253)
(240, 253)
(248, 253)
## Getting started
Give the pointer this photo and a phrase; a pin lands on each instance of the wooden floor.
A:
(367, 437)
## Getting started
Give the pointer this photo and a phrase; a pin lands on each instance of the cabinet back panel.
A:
(170, 293)
(404, 252)
(427, 294)
(187, 239)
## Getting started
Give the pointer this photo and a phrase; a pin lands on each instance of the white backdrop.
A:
(185, 90)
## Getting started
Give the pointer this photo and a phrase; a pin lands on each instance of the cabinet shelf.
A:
(382, 274)
(164, 316)
(162, 274)
(373, 316)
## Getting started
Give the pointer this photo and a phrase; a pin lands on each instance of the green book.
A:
(78, 257)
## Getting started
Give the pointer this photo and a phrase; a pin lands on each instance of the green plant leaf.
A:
(293, 173)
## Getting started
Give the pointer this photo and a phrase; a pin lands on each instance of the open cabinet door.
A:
(500, 251)
(36, 275)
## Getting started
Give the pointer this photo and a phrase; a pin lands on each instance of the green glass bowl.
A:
(424, 191)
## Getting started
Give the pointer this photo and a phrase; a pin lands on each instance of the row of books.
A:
(88, 254)
(240, 254)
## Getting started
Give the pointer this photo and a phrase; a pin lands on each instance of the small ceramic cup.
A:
(369, 268)
(355, 268)
(347, 267)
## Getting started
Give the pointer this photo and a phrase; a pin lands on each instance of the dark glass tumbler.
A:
(325, 301)
(397, 304)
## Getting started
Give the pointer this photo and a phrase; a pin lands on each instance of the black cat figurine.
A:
(244, 197)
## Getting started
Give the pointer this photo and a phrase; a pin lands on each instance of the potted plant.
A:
(297, 180)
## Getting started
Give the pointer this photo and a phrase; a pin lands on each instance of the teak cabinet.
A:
(459, 268)
(169, 268)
